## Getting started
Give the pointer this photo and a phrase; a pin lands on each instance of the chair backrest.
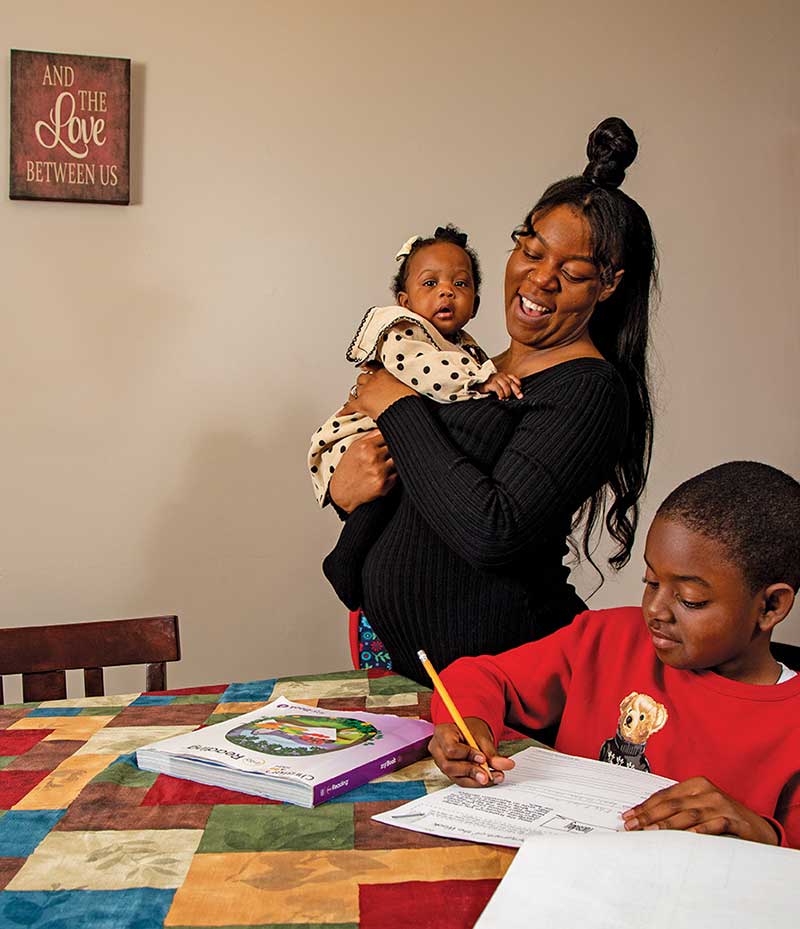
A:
(788, 654)
(42, 654)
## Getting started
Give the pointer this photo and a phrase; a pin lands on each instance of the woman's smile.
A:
(533, 310)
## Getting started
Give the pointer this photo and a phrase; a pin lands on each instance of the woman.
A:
(465, 555)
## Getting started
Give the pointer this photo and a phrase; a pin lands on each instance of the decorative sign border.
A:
(70, 128)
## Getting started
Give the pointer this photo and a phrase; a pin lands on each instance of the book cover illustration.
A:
(301, 735)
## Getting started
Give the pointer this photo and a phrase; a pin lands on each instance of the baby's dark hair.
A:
(448, 233)
(752, 510)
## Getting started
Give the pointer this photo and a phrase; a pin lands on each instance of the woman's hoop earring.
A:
(354, 391)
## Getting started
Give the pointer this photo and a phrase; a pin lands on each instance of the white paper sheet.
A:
(658, 880)
(546, 793)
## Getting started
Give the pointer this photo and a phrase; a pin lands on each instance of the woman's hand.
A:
(374, 391)
(365, 472)
(460, 762)
(697, 805)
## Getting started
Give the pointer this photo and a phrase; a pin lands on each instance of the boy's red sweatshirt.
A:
(616, 701)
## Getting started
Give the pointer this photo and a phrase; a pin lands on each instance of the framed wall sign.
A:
(70, 127)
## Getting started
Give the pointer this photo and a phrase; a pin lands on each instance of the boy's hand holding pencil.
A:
(464, 749)
(464, 764)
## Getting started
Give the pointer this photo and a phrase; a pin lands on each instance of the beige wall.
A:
(164, 363)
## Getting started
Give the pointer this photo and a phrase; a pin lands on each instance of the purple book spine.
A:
(334, 786)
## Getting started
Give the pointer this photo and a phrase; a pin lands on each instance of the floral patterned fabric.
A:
(371, 651)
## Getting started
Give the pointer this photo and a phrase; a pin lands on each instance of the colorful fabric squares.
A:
(393, 684)
(277, 828)
(383, 790)
(227, 710)
(90, 840)
(78, 728)
(153, 700)
(15, 784)
(142, 908)
(19, 741)
(216, 717)
(313, 886)
(108, 796)
(170, 791)
(118, 741)
(9, 715)
(21, 831)
(391, 700)
(114, 700)
(182, 691)
(192, 715)
(53, 711)
(102, 806)
(272, 926)
(334, 677)
(61, 786)
(371, 835)
(46, 756)
(124, 773)
(424, 703)
(310, 690)
(8, 868)
(413, 711)
(196, 698)
(427, 905)
(109, 860)
(250, 692)
(354, 704)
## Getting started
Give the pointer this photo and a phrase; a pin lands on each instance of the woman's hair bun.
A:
(611, 149)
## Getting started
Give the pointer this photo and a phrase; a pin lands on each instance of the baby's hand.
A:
(504, 385)
(461, 763)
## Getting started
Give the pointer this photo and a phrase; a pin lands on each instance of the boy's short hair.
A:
(753, 510)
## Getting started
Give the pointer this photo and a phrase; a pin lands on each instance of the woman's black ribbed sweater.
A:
(465, 556)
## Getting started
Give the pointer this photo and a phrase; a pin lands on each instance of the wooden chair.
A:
(788, 654)
(43, 654)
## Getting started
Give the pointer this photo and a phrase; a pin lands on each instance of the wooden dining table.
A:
(89, 840)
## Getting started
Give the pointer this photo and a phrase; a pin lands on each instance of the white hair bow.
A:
(405, 250)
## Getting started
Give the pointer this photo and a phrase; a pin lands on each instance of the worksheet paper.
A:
(657, 880)
(547, 793)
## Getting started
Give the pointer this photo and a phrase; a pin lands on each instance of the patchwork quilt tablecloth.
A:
(89, 840)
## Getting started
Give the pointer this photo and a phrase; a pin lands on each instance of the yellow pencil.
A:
(458, 719)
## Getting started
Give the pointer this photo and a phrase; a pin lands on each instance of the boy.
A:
(688, 679)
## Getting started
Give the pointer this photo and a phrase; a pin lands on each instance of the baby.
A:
(421, 341)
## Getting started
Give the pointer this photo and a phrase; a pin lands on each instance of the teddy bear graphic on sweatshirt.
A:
(640, 716)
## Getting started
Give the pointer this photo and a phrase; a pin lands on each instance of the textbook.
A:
(291, 752)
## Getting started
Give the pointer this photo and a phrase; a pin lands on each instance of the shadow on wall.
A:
(237, 554)
(138, 125)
